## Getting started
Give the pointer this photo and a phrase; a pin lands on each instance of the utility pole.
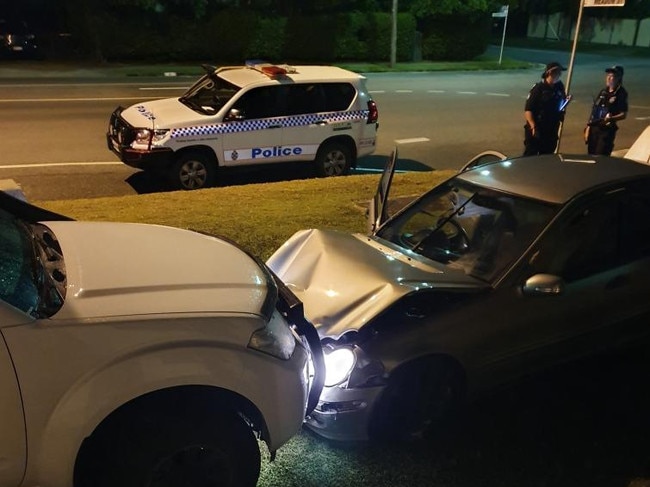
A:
(393, 36)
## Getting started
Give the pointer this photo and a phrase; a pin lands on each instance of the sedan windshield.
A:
(209, 94)
(477, 230)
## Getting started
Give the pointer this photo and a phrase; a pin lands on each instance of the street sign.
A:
(604, 3)
(503, 12)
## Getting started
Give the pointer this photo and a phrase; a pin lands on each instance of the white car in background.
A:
(142, 355)
(254, 114)
(639, 151)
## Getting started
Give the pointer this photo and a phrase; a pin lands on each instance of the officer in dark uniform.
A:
(610, 107)
(544, 111)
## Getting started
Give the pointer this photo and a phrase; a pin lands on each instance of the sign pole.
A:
(570, 71)
(503, 12)
(503, 38)
(583, 4)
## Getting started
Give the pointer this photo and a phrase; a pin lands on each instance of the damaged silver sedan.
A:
(507, 268)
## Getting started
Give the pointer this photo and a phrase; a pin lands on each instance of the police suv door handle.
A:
(274, 126)
(321, 122)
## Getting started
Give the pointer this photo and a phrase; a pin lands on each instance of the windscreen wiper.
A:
(442, 221)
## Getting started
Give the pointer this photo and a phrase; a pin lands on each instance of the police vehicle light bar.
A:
(271, 70)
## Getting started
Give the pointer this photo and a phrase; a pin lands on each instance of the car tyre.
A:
(333, 159)
(193, 170)
(186, 451)
(420, 399)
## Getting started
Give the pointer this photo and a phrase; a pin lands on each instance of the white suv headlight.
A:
(338, 365)
(276, 338)
(148, 136)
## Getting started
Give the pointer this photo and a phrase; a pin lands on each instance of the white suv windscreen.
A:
(209, 94)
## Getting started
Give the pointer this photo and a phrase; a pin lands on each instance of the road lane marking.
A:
(436, 91)
(60, 164)
(156, 88)
(413, 140)
(403, 91)
(467, 92)
(497, 94)
(59, 100)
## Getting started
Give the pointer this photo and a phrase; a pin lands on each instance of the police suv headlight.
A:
(148, 136)
(339, 363)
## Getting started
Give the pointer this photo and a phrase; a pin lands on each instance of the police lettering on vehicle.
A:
(263, 153)
(145, 113)
(276, 151)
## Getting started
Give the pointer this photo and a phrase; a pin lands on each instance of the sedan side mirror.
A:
(543, 285)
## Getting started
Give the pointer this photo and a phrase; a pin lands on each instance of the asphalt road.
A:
(53, 126)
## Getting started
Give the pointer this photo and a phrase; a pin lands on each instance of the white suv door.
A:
(322, 112)
(254, 135)
(12, 425)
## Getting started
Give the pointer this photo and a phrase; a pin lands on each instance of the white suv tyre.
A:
(333, 159)
(181, 450)
(193, 170)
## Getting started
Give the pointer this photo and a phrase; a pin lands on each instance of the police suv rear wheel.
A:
(333, 159)
(193, 170)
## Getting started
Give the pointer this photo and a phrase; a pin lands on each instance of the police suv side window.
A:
(261, 102)
(339, 96)
(305, 98)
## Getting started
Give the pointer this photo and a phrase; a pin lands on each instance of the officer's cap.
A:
(616, 71)
(554, 66)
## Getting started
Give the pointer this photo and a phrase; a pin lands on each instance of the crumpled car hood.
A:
(122, 269)
(164, 114)
(345, 280)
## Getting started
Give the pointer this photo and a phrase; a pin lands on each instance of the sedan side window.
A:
(635, 222)
(587, 244)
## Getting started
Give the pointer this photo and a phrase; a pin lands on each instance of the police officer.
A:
(610, 106)
(544, 111)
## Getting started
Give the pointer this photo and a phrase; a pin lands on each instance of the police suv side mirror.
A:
(234, 114)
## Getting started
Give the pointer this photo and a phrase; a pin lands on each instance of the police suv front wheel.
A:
(193, 170)
(333, 159)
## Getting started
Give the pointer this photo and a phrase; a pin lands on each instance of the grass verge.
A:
(260, 217)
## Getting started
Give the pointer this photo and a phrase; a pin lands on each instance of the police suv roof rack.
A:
(271, 70)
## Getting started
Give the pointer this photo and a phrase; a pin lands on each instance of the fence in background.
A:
(617, 32)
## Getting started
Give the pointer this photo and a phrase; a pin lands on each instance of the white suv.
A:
(153, 364)
(246, 115)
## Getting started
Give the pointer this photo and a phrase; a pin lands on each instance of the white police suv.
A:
(257, 113)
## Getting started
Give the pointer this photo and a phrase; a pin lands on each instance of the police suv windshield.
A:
(477, 230)
(209, 94)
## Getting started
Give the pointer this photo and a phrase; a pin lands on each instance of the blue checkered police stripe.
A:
(252, 125)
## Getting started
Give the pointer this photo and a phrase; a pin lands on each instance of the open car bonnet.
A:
(345, 280)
